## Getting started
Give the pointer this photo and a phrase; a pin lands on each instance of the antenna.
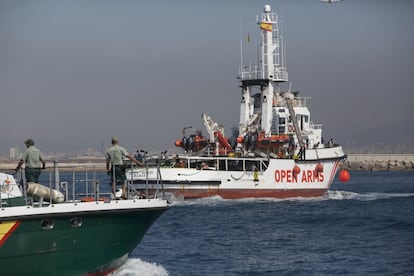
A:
(241, 43)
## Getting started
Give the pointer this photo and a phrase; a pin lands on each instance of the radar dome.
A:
(267, 8)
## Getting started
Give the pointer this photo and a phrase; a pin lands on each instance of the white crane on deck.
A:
(216, 132)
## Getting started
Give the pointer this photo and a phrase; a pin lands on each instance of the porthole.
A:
(76, 222)
(47, 224)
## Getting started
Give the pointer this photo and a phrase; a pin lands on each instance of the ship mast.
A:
(266, 76)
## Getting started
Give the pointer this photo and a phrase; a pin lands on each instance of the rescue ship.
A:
(277, 151)
(44, 231)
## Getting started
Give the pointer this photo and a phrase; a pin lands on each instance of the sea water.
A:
(365, 226)
(362, 227)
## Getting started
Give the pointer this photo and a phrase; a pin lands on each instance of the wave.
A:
(344, 195)
(208, 201)
(136, 266)
(331, 195)
(215, 200)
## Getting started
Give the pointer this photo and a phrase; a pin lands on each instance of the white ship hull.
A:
(236, 178)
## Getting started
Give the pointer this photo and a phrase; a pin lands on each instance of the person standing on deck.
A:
(34, 160)
(114, 165)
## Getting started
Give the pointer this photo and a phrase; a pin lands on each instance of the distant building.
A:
(14, 153)
(103, 149)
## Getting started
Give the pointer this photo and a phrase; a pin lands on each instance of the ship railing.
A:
(73, 183)
(215, 163)
(149, 161)
(254, 73)
(300, 101)
(251, 73)
(315, 126)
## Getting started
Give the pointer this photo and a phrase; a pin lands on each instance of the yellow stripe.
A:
(5, 228)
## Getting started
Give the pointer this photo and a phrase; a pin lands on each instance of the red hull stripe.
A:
(6, 229)
(333, 173)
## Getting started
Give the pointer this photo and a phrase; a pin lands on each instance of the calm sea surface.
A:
(363, 227)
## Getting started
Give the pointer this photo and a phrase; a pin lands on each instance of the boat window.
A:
(282, 110)
(263, 165)
(253, 165)
(256, 100)
(282, 121)
(194, 164)
(76, 222)
(235, 165)
(47, 224)
(222, 165)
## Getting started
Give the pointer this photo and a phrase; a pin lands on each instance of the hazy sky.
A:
(74, 73)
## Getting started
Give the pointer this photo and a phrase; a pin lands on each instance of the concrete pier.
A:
(379, 162)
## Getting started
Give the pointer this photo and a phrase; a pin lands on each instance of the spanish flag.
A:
(266, 26)
(248, 38)
(6, 229)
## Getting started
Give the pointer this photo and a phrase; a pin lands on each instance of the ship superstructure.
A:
(276, 151)
(267, 113)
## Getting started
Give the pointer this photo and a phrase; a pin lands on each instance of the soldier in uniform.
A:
(34, 160)
(115, 165)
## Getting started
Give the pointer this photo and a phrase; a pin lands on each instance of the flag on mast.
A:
(266, 26)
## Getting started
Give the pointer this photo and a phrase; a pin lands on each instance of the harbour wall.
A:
(379, 162)
(354, 162)
(64, 165)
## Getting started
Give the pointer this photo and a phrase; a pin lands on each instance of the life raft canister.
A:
(91, 199)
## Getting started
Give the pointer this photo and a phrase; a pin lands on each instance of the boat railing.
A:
(71, 184)
(254, 73)
(215, 163)
(315, 126)
(300, 101)
(149, 161)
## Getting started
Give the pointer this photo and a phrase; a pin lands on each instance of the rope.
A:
(189, 174)
(235, 178)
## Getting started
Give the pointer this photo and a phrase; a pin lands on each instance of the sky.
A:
(74, 73)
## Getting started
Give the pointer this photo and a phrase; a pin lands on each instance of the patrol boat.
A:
(277, 151)
(57, 234)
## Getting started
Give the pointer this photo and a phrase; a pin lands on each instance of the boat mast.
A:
(267, 75)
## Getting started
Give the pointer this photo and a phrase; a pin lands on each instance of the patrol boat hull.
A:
(70, 238)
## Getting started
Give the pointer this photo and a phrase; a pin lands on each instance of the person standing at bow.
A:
(34, 160)
(115, 165)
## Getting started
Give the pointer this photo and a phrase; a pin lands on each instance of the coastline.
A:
(65, 165)
(354, 162)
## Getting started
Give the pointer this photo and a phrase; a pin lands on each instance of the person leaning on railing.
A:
(115, 165)
(34, 160)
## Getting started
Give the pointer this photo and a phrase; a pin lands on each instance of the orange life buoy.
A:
(90, 199)
(291, 129)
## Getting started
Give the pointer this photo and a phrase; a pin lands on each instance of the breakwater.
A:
(354, 162)
(379, 162)
(64, 165)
